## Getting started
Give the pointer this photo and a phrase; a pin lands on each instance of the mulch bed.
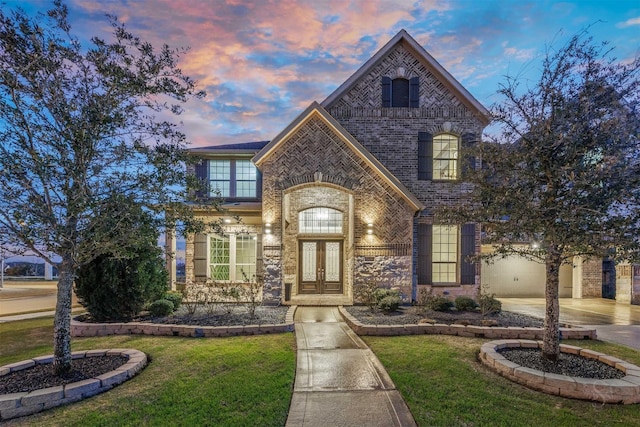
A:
(41, 376)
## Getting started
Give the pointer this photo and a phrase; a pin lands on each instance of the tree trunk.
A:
(551, 335)
(62, 322)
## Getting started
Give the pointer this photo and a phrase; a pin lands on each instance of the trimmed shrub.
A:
(161, 308)
(465, 304)
(390, 303)
(387, 300)
(440, 304)
(175, 297)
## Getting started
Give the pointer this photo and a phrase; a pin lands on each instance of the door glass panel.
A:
(309, 261)
(332, 261)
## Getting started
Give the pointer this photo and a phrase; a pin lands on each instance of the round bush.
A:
(175, 297)
(465, 304)
(440, 304)
(389, 303)
(161, 307)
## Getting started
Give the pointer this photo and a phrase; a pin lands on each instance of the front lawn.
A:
(238, 381)
(444, 385)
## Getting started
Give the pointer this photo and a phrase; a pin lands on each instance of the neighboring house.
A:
(346, 193)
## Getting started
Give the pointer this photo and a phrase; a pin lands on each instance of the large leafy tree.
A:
(79, 124)
(564, 176)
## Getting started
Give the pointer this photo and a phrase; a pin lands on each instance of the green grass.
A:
(239, 381)
(444, 385)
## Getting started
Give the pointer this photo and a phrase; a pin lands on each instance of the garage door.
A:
(516, 277)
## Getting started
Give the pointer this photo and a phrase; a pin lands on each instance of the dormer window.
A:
(400, 92)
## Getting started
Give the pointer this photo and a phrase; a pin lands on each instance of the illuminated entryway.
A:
(320, 267)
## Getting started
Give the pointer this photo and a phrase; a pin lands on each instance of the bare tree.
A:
(564, 176)
(78, 127)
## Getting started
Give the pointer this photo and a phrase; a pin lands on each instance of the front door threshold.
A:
(319, 300)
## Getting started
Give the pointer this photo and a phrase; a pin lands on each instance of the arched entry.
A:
(320, 251)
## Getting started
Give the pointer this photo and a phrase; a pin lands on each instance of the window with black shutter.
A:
(400, 92)
(467, 249)
(425, 156)
(424, 254)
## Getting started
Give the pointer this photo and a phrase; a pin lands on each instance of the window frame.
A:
(456, 254)
(233, 264)
(452, 159)
(233, 181)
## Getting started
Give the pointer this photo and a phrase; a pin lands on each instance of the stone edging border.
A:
(82, 329)
(491, 332)
(21, 404)
(625, 390)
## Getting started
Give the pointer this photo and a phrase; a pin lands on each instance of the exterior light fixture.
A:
(370, 228)
(227, 220)
(267, 228)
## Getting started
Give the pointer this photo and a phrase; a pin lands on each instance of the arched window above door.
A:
(320, 221)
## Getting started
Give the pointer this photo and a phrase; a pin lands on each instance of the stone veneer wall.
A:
(393, 272)
(315, 167)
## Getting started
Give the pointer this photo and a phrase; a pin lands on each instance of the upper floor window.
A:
(445, 157)
(400, 92)
(438, 156)
(320, 220)
(230, 178)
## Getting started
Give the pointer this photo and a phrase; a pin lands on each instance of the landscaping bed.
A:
(406, 315)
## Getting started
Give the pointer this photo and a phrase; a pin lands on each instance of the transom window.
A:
(232, 179)
(320, 220)
(444, 253)
(232, 257)
(445, 157)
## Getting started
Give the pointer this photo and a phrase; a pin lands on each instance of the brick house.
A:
(345, 194)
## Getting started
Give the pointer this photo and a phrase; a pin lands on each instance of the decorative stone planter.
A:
(21, 404)
(85, 329)
(625, 390)
(491, 332)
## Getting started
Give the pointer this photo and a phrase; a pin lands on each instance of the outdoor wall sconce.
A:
(370, 228)
(267, 228)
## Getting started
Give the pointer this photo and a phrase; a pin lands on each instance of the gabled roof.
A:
(428, 60)
(316, 110)
(241, 148)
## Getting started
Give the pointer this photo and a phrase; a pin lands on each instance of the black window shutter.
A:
(200, 256)
(202, 174)
(424, 254)
(425, 156)
(469, 161)
(467, 249)
(414, 92)
(386, 92)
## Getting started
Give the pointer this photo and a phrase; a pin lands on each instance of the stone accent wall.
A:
(393, 272)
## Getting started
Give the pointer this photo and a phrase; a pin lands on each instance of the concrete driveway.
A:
(617, 323)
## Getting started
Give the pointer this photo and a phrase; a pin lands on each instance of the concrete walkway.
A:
(614, 322)
(339, 381)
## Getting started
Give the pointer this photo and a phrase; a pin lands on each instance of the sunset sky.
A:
(263, 62)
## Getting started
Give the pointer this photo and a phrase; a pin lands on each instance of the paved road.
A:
(618, 323)
(22, 297)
